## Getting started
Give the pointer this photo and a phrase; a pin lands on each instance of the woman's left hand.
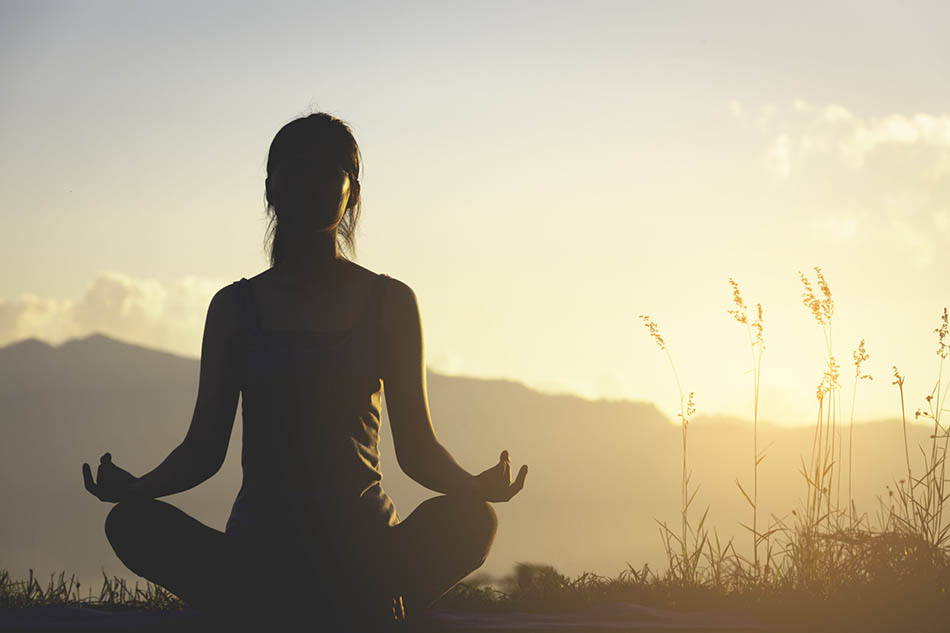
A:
(112, 483)
(495, 483)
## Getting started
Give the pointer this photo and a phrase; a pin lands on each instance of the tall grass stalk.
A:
(860, 356)
(906, 496)
(756, 346)
(824, 466)
(937, 408)
(922, 500)
(686, 563)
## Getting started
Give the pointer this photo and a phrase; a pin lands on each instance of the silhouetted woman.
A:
(310, 342)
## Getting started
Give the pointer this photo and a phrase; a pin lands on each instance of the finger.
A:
(504, 460)
(519, 482)
(87, 479)
(106, 458)
(498, 468)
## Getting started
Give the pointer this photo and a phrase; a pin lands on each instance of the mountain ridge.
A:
(99, 341)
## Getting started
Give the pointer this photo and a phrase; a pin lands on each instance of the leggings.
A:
(419, 559)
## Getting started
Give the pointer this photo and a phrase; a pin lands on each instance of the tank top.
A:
(310, 447)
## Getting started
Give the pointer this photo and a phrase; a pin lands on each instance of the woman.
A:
(310, 342)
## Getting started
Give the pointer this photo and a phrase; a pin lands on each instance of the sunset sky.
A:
(539, 174)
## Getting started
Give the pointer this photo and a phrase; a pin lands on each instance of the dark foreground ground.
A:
(614, 618)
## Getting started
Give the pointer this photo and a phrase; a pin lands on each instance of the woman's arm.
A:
(202, 452)
(418, 451)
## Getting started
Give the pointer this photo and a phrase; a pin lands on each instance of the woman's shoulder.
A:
(400, 307)
(395, 291)
(224, 309)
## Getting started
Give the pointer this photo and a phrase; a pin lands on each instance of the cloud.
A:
(890, 170)
(33, 316)
(143, 311)
(448, 363)
(856, 139)
(853, 139)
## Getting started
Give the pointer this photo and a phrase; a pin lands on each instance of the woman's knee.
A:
(125, 524)
(484, 519)
(478, 522)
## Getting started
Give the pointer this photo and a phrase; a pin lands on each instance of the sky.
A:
(539, 173)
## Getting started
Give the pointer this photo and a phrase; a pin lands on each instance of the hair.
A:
(304, 152)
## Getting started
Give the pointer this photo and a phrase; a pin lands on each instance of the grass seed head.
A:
(808, 298)
(757, 325)
(690, 409)
(821, 306)
(739, 313)
(860, 355)
(898, 379)
(829, 380)
(654, 330)
(943, 333)
(833, 373)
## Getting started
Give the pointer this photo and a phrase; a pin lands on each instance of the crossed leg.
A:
(170, 548)
(420, 558)
(443, 540)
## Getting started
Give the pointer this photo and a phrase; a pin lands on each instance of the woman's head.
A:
(312, 186)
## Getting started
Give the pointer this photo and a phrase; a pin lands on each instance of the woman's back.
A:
(311, 392)
(331, 300)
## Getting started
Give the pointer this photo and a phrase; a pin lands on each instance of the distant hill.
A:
(601, 471)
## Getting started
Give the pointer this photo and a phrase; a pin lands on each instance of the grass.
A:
(892, 570)
(829, 567)
(60, 590)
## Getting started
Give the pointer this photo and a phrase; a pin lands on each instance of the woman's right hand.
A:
(112, 484)
(495, 483)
